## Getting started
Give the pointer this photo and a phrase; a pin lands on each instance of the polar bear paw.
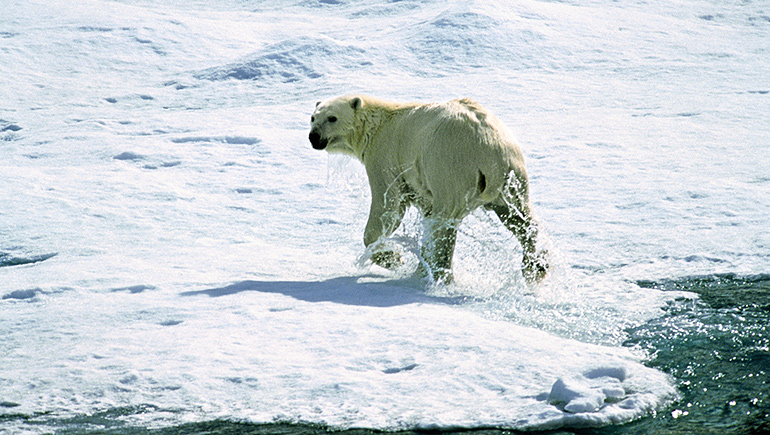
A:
(535, 267)
(388, 259)
(438, 277)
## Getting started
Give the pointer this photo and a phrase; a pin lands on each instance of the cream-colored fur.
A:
(446, 159)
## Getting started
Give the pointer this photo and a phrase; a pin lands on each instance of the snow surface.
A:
(168, 236)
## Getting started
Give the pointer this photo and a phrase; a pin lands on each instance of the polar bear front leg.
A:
(438, 246)
(382, 222)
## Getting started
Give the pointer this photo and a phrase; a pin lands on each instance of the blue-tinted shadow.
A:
(349, 290)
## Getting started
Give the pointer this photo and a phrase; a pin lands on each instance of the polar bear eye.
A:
(332, 119)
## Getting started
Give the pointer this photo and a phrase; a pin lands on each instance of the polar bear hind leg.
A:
(438, 246)
(514, 211)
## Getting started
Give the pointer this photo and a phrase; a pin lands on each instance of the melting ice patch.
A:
(22, 294)
(8, 130)
(7, 259)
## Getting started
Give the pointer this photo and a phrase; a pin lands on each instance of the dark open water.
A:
(717, 348)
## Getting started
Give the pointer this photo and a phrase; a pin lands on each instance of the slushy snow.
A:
(169, 239)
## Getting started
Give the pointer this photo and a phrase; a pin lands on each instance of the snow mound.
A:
(289, 61)
(459, 40)
(591, 392)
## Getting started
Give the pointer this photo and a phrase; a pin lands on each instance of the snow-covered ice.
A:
(169, 238)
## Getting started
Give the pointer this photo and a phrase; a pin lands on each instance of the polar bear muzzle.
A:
(316, 140)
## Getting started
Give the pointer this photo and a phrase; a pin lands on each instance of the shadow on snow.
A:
(348, 290)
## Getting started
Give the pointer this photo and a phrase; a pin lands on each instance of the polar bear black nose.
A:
(315, 140)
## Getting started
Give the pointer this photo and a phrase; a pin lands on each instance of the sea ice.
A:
(170, 150)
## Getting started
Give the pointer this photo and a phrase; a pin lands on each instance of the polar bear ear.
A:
(355, 103)
(317, 103)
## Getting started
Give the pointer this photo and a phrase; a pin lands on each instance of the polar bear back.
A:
(454, 156)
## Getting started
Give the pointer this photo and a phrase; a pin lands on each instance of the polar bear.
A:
(446, 159)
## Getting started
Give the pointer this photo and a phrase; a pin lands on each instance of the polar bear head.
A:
(332, 124)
